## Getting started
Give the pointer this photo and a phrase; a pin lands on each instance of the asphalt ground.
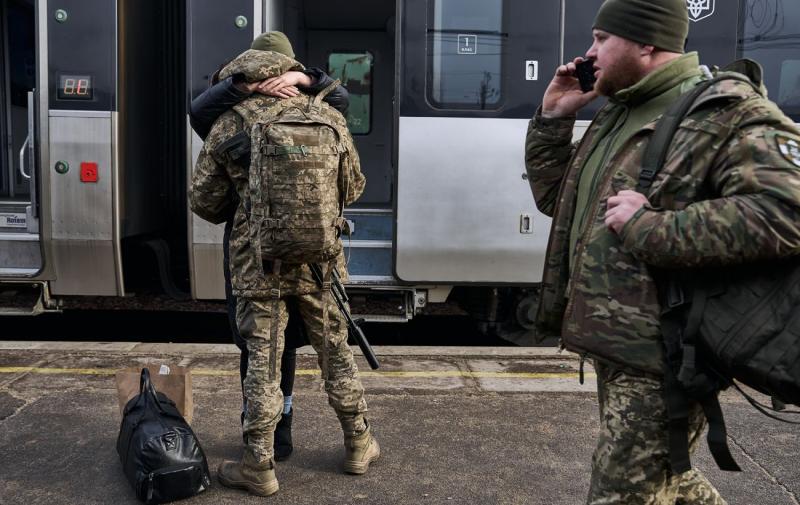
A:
(456, 426)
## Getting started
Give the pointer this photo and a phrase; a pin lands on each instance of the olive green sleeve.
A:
(548, 150)
(756, 216)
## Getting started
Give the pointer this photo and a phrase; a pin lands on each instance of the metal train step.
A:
(25, 299)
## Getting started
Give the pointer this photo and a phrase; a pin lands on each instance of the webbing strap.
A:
(718, 434)
(274, 150)
(678, 423)
(325, 298)
(256, 198)
(688, 368)
(274, 319)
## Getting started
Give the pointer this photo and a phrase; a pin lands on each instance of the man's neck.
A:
(658, 59)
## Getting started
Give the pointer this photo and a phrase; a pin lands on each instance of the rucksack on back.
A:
(296, 179)
(720, 325)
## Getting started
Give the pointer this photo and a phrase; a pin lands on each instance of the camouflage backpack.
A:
(296, 182)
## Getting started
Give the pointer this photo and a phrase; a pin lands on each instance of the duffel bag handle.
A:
(146, 389)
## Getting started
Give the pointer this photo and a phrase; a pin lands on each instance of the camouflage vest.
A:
(295, 197)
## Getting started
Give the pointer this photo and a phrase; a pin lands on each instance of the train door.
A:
(80, 163)
(355, 43)
(20, 251)
(217, 32)
(471, 74)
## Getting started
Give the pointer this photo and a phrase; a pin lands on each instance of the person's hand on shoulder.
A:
(285, 85)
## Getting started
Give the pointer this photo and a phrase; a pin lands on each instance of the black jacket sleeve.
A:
(339, 98)
(211, 103)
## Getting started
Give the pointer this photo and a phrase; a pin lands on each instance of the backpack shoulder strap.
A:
(322, 94)
(656, 151)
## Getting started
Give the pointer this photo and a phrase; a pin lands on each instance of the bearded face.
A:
(618, 63)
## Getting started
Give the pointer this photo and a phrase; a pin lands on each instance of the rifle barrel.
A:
(340, 297)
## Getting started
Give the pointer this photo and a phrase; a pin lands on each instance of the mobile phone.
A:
(585, 74)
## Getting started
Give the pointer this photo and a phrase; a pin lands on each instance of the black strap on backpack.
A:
(679, 328)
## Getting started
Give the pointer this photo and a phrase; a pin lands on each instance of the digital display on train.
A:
(75, 87)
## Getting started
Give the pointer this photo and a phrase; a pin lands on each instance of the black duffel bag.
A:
(160, 455)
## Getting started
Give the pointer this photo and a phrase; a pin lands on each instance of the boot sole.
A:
(360, 468)
(263, 490)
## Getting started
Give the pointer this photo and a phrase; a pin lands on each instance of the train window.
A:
(355, 72)
(465, 53)
(771, 37)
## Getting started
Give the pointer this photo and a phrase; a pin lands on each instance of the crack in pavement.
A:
(764, 470)
(6, 385)
(25, 403)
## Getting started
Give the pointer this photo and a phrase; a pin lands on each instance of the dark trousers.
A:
(295, 333)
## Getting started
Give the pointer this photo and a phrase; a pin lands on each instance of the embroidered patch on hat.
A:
(789, 148)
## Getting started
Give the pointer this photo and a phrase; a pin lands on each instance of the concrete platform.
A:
(456, 425)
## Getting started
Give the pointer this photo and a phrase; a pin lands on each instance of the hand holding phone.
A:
(584, 71)
(564, 97)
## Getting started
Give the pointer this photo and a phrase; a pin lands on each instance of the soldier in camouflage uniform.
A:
(729, 192)
(204, 110)
(215, 176)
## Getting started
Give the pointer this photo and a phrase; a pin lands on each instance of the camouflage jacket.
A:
(216, 177)
(729, 192)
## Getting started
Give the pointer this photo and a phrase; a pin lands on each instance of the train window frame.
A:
(756, 46)
(344, 83)
(431, 70)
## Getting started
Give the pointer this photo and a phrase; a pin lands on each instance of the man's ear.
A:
(646, 50)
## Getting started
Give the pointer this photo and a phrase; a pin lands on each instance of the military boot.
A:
(360, 451)
(283, 437)
(256, 478)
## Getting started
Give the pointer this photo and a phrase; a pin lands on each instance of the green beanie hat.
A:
(660, 23)
(273, 41)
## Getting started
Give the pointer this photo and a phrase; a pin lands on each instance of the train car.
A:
(96, 151)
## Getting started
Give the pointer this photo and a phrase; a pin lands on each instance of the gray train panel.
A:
(464, 212)
(83, 212)
(85, 267)
(209, 281)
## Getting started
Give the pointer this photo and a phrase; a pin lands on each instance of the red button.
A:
(88, 171)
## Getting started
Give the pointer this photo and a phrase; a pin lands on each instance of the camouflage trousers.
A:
(254, 318)
(630, 465)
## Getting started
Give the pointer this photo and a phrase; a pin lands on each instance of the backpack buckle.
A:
(675, 295)
(646, 176)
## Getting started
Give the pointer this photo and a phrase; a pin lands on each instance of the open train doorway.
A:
(20, 253)
(355, 42)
